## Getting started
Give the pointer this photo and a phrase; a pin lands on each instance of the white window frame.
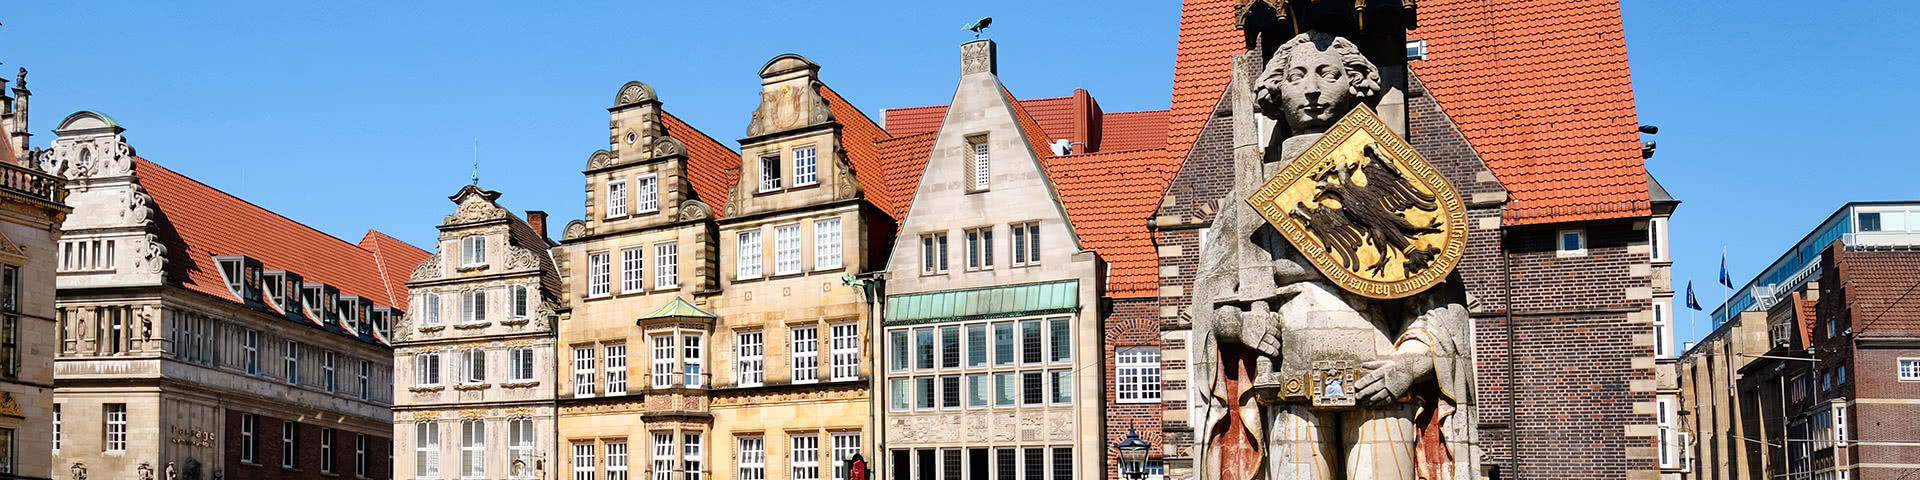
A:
(520, 364)
(616, 362)
(666, 265)
(750, 363)
(665, 358)
(56, 427)
(426, 369)
(250, 352)
(690, 464)
(979, 248)
(366, 371)
(1662, 329)
(1908, 369)
(1560, 243)
(1657, 239)
(426, 450)
(981, 177)
(753, 458)
(1026, 243)
(1137, 370)
(328, 373)
(473, 306)
(1663, 420)
(473, 449)
(473, 366)
(663, 456)
(806, 167)
(583, 461)
(747, 256)
(616, 459)
(519, 301)
(786, 249)
(933, 253)
(249, 438)
(520, 439)
(599, 274)
(473, 250)
(845, 446)
(806, 353)
(616, 199)
(291, 355)
(583, 374)
(692, 359)
(845, 338)
(431, 303)
(804, 455)
(770, 172)
(646, 193)
(361, 467)
(827, 252)
(116, 427)
(633, 269)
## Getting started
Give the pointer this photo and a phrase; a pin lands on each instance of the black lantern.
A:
(1133, 455)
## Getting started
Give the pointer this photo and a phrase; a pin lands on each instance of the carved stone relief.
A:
(427, 269)
(600, 158)
(695, 210)
(521, 258)
(667, 147)
(139, 207)
(475, 209)
(575, 229)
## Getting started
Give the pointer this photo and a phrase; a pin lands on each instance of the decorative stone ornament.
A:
(1367, 210)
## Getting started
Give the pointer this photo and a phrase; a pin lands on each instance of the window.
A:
(826, 244)
(473, 449)
(1869, 222)
(327, 378)
(9, 346)
(753, 458)
(1035, 464)
(289, 441)
(977, 165)
(923, 348)
(933, 253)
(750, 366)
(583, 461)
(116, 417)
(977, 345)
(845, 446)
(1839, 425)
(616, 460)
(250, 352)
(1657, 238)
(901, 394)
(518, 296)
(770, 173)
(1026, 244)
(1910, 369)
(1840, 375)
(474, 366)
(432, 304)
(977, 391)
(666, 265)
(690, 362)
(426, 450)
(1004, 459)
(950, 391)
(616, 198)
(1660, 339)
(1061, 338)
(1573, 242)
(923, 394)
(426, 369)
(1030, 341)
(786, 249)
(366, 371)
(583, 371)
(663, 457)
(1003, 343)
(663, 360)
(520, 448)
(806, 457)
(1416, 49)
(1138, 369)
(806, 354)
(56, 426)
(633, 269)
(1033, 390)
(646, 193)
(616, 369)
(1004, 388)
(747, 259)
(1663, 418)
(293, 363)
(846, 351)
(980, 248)
(473, 250)
(1062, 386)
(950, 346)
(599, 274)
(690, 461)
(361, 467)
(901, 353)
(326, 450)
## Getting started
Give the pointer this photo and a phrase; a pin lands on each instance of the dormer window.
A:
(770, 173)
(804, 169)
(242, 276)
(310, 302)
(380, 320)
(230, 271)
(275, 284)
(473, 251)
(350, 313)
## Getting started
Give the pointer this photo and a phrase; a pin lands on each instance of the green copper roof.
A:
(988, 302)
(678, 308)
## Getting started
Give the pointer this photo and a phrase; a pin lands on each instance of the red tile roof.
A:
(1804, 313)
(1133, 130)
(1873, 282)
(712, 167)
(904, 158)
(1202, 65)
(1077, 118)
(858, 135)
(915, 120)
(1109, 196)
(200, 221)
(1541, 89)
(1030, 127)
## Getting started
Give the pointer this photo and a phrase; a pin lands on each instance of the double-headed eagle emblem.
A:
(1367, 210)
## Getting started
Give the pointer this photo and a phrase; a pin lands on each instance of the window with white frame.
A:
(749, 364)
(1571, 243)
(753, 458)
(432, 304)
(616, 198)
(1657, 238)
(663, 361)
(249, 434)
(473, 250)
(116, 429)
(770, 173)
(980, 248)
(1138, 369)
(363, 468)
(1663, 418)
(1060, 339)
(520, 448)
(846, 351)
(786, 249)
(426, 450)
(1910, 370)
(1839, 425)
(473, 449)
(617, 460)
(519, 299)
(845, 446)
(646, 193)
(250, 352)
(292, 365)
(520, 364)
(806, 354)
(666, 265)
(663, 457)
(1662, 332)
(289, 444)
(978, 164)
(804, 168)
(1026, 243)
(805, 457)
(327, 377)
(747, 258)
(366, 373)
(633, 269)
(583, 461)
(473, 363)
(617, 369)
(56, 427)
(426, 369)
(690, 456)
(933, 253)
(599, 274)
(583, 371)
(1062, 386)
(826, 244)
(690, 360)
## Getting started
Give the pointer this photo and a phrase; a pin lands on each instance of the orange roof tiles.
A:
(1804, 314)
(914, 120)
(1109, 196)
(712, 167)
(858, 135)
(1202, 66)
(904, 158)
(1874, 282)
(1077, 118)
(1030, 127)
(1133, 130)
(1541, 90)
(200, 221)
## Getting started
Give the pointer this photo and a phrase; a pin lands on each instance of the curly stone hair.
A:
(1366, 81)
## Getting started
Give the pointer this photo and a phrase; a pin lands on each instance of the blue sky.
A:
(357, 114)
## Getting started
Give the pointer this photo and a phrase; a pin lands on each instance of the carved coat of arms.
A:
(1367, 210)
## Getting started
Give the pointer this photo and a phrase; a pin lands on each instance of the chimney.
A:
(538, 220)
(977, 57)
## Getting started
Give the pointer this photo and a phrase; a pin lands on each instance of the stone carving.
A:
(575, 229)
(976, 57)
(475, 208)
(1303, 378)
(521, 258)
(150, 256)
(146, 326)
(99, 156)
(146, 471)
(428, 269)
(139, 207)
(695, 210)
(79, 471)
(667, 147)
(600, 158)
(632, 93)
(172, 474)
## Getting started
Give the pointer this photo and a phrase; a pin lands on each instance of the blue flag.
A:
(1724, 278)
(1691, 302)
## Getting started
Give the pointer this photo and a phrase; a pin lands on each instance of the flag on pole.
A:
(1691, 302)
(1724, 278)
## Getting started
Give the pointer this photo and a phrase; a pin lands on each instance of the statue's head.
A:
(1315, 78)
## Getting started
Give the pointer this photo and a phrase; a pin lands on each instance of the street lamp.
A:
(1133, 455)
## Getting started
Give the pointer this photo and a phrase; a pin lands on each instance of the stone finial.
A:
(978, 57)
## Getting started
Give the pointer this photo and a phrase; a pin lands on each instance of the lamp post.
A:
(1133, 455)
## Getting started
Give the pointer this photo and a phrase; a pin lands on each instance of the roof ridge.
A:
(139, 159)
(696, 130)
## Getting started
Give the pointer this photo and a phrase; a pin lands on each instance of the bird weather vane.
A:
(978, 25)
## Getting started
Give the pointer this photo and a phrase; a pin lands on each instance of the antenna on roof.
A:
(476, 162)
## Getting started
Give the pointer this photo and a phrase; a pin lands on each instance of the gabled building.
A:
(32, 208)
(477, 351)
(204, 335)
(1075, 124)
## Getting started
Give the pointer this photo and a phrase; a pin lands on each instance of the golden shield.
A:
(1367, 210)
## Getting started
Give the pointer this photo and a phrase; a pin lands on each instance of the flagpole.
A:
(1726, 287)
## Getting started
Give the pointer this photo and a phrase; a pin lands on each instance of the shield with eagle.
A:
(1367, 210)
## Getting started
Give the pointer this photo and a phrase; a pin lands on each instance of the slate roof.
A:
(1541, 90)
(200, 221)
(1874, 281)
(712, 167)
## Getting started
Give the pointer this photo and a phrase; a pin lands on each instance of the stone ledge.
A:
(472, 386)
(473, 325)
(426, 389)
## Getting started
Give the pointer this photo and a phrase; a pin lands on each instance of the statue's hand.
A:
(1392, 379)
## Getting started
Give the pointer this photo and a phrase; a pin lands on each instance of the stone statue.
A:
(172, 474)
(1304, 379)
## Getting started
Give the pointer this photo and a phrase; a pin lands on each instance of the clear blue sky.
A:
(354, 115)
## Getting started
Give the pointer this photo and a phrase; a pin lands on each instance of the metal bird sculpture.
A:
(979, 25)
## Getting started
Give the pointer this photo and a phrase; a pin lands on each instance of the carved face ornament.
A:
(1313, 80)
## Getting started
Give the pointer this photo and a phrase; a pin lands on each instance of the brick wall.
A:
(268, 457)
(1134, 322)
